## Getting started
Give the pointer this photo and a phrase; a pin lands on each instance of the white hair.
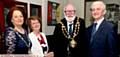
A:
(101, 3)
(68, 6)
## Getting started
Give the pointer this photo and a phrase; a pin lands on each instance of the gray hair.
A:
(69, 5)
(101, 3)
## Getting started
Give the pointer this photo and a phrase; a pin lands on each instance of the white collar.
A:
(99, 22)
(70, 23)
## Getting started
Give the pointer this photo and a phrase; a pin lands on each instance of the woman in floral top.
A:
(16, 38)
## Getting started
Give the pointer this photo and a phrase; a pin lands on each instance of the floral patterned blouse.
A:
(16, 43)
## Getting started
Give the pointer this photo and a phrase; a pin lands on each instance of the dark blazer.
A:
(104, 42)
(61, 42)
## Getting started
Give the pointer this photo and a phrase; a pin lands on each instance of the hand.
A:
(50, 54)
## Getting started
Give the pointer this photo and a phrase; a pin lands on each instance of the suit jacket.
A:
(61, 42)
(104, 42)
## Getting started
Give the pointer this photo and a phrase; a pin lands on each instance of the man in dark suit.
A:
(69, 35)
(101, 34)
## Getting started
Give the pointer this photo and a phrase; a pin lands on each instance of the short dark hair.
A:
(34, 18)
(10, 14)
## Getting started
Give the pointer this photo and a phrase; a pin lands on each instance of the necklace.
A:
(20, 30)
(28, 45)
(75, 33)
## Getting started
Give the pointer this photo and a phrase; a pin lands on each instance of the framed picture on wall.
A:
(52, 13)
(113, 15)
(6, 10)
(35, 10)
(23, 6)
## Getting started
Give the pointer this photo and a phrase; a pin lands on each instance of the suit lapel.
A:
(98, 32)
(100, 29)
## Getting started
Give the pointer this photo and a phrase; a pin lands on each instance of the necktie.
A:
(94, 28)
(70, 29)
(93, 31)
(70, 35)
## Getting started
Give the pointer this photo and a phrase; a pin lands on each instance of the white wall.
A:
(37, 2)
(79, 5)
(88, 14)
(48, 30)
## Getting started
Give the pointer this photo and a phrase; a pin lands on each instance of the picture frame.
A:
(113, 15)
(35, 10)
(52, 13)
(6, 10)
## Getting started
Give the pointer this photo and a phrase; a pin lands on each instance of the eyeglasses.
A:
(69, 11)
